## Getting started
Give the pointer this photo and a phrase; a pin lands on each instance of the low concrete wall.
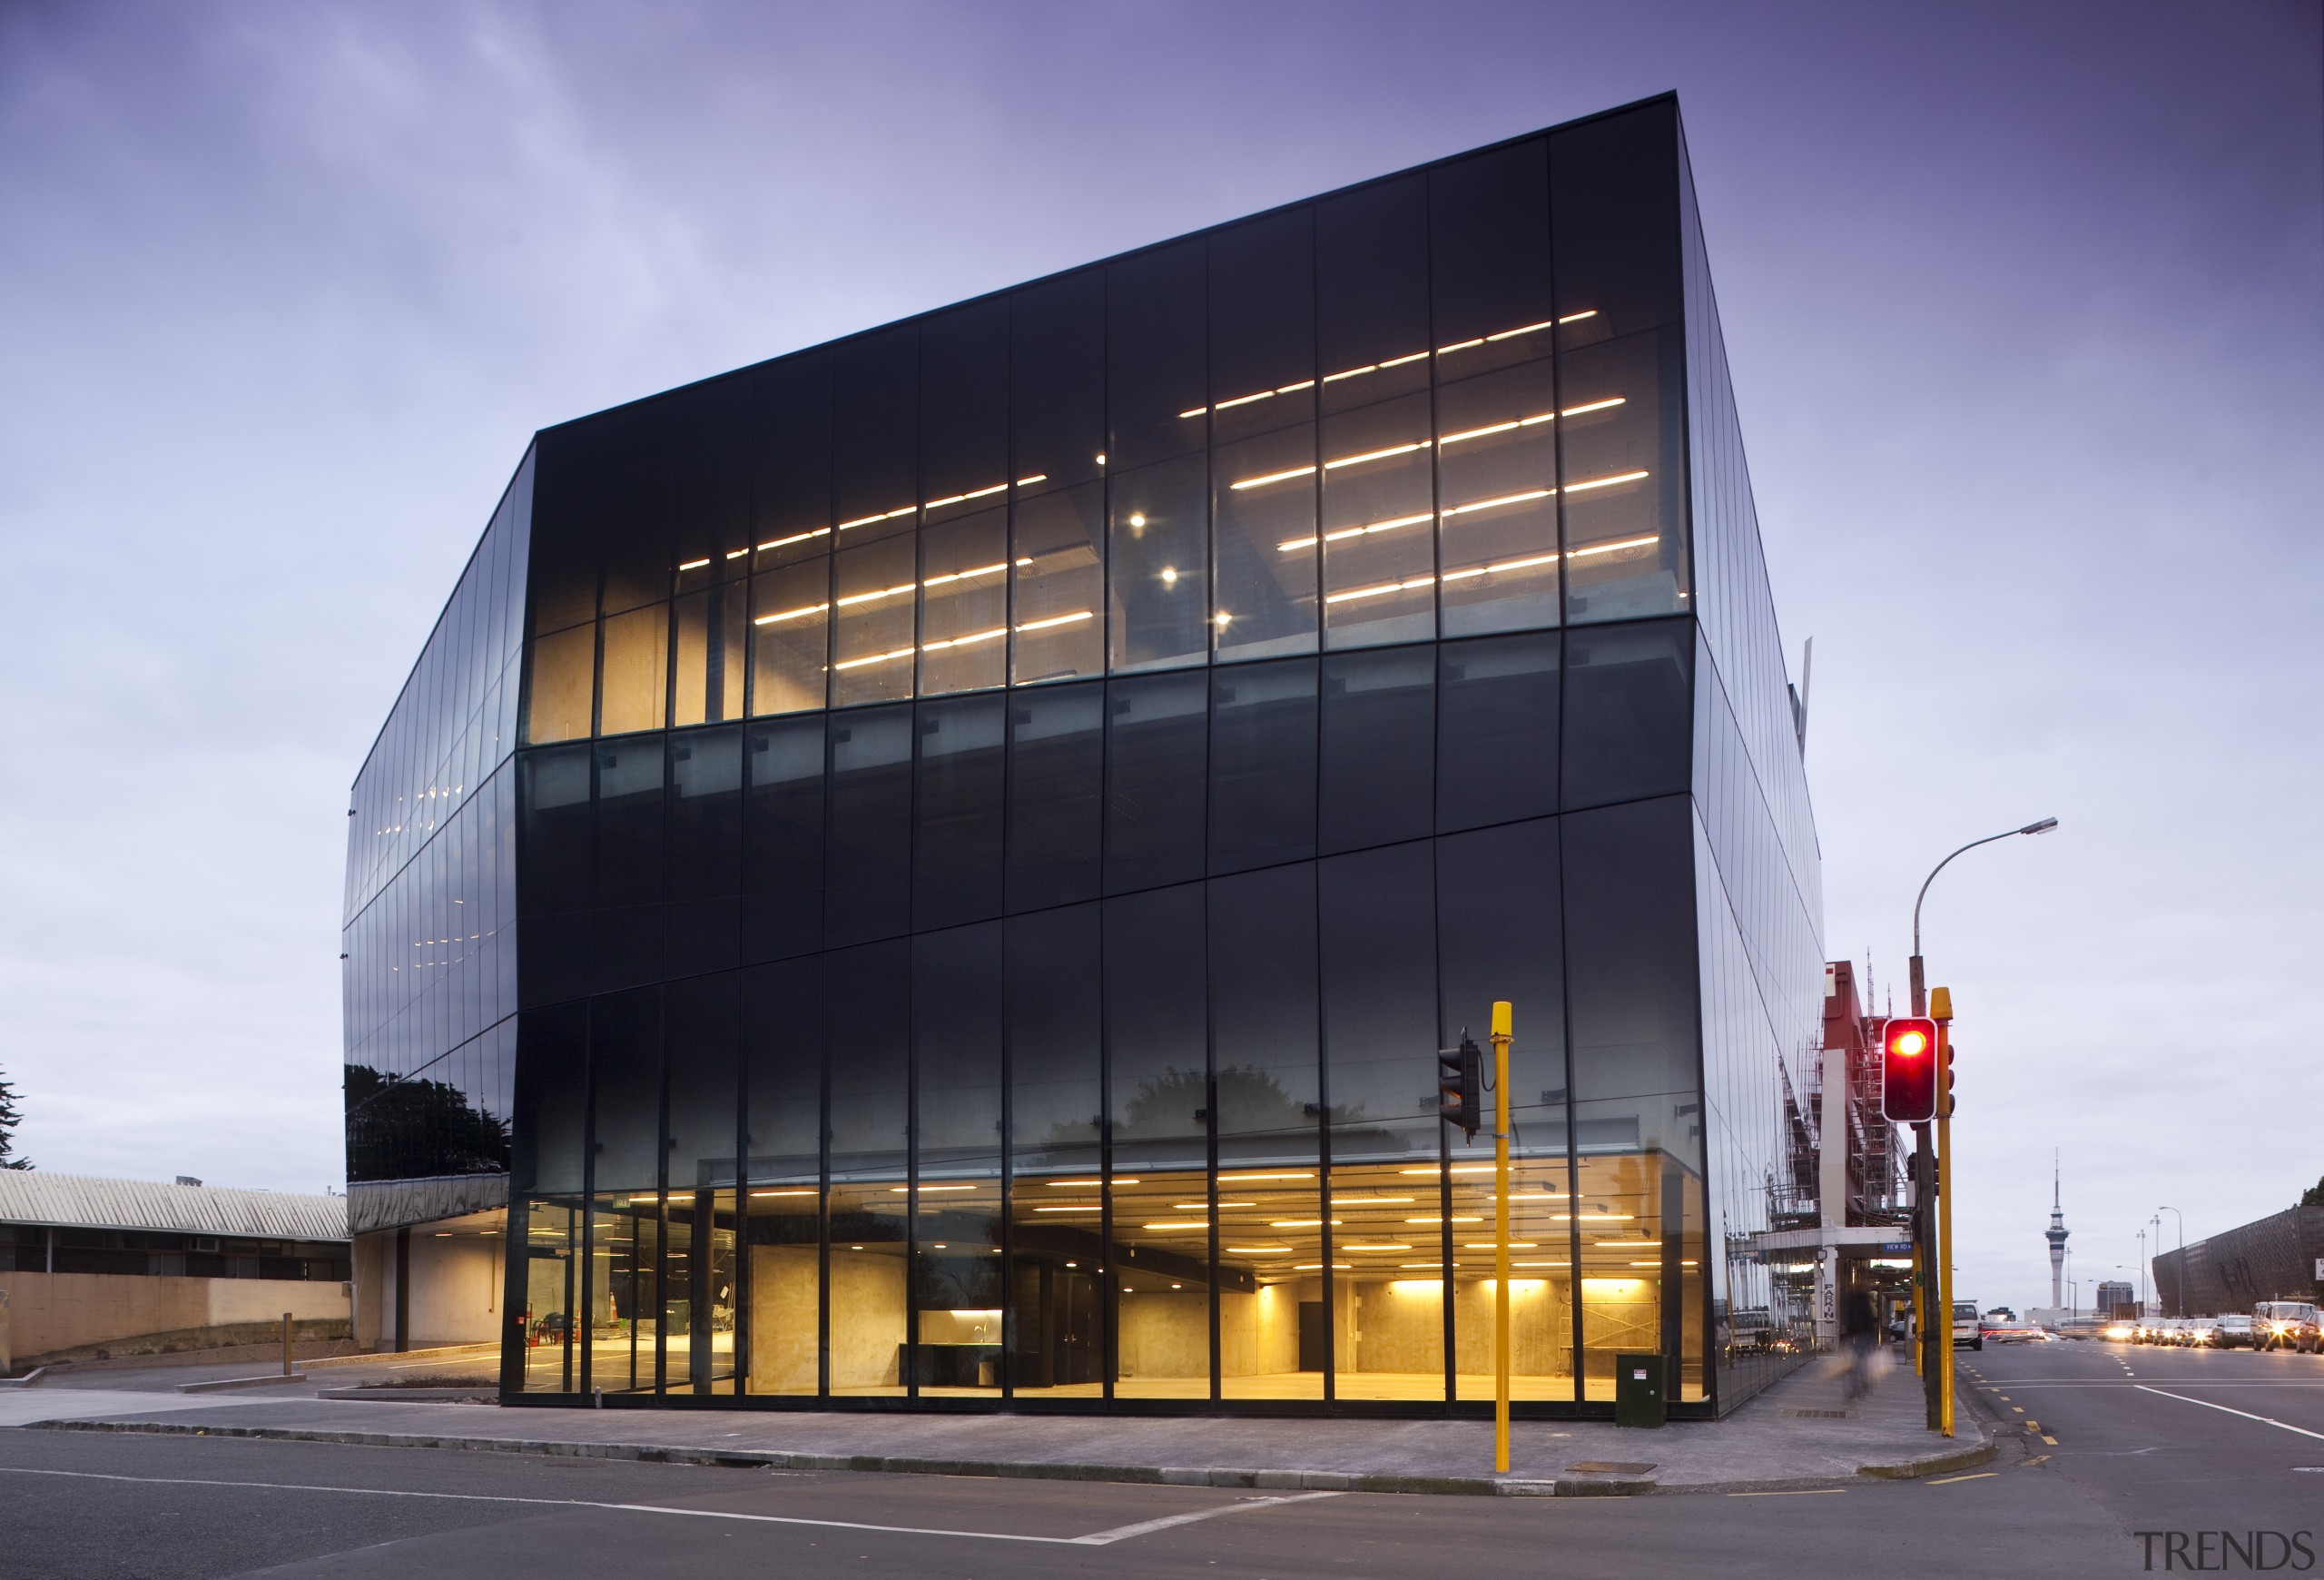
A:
(52, 1312)
(456, 1289)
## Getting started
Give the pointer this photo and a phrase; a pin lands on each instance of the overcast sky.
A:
(2022, 302)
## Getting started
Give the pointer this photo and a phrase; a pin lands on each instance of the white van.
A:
(1966, 1329)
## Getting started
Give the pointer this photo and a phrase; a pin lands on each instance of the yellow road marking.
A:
(2037, 1459)
(2053, 1442)
(1978, 1476)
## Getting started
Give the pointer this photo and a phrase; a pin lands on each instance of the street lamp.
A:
(1920, 989)
(2157, 1221)
(2179, 1305)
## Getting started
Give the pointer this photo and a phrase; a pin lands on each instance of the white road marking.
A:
(2268, 1421)
(1095, 1539)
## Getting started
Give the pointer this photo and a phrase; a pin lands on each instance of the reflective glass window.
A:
(1497, 494)
(1372, 293)
(1157, 751)
(712, 426)
(633, 689)
(1058, 564)
(869, 1182)
(1160, 1190)
(631, 862)
(561, 687)
(1628, 706)
(791, 499)
(1626, 552)
(1379, 512)
(561, 572)
(1378, 747)
(1615, 180)
(1057, 381)
(1262, 312)
(1263, 537)
(964, 604)
(1160, 605)
(1155, 372)
(791, 621)
(1057, 805)
(710, 654)
(701, 1041)
(872, 648)
(784, 1061)
(782, 850)
(637, 506)
(1056, 1106)
(867, 880)
(957, 843)
(1497, 721)
(1275, 1247)
(956, 1344)
(1263, 764)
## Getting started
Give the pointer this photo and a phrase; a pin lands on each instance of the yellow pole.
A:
(1501, 1018)
(1943, 1000)
(1920, 1320)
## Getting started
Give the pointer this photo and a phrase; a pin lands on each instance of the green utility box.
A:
(1639, 1399)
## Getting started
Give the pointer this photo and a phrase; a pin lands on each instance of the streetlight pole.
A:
(2179, 1303)
(2157, 1219)
(1932, 1193)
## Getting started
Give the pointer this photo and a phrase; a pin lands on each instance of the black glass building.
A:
(936, 866)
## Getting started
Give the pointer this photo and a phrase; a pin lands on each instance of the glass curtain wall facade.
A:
(1007, 806)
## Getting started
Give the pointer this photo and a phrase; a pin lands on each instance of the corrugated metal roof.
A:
(82, 1202)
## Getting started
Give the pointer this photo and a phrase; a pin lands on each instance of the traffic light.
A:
(1945, 1081)
(1908, 1061)
(1460, 1081)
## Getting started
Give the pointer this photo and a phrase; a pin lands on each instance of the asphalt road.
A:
(2124, 1460)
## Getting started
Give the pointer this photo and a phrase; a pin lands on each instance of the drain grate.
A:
(1821, 1415)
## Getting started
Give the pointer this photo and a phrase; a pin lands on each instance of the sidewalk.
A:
(1799, 1433)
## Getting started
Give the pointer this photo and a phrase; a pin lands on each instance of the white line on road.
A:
(1095, 1539)
(2269, 1420)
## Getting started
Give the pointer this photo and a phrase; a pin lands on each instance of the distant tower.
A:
(2056, 1236)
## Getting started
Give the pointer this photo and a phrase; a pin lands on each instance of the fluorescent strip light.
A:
(1400, 361)
(989, 489)
(1393, 1246)
(1166, 1226)
(1257, 1250)
(1577, 316)
(1056, 620)
(900, 1189)
(791, 614)
(1076, 1184)
(1291, 389)
(875, 658)
(735, 554)
(694, 565)
(1596, 406)
(1460, 346)
(1352, 372)
(1318, 1267)
(1274, 478)
(1616, 547)
(1526, 498)
(1444, 1220)
(1488, 1245)
(1357, 460)
(1036, 477)
(1302, 1223)
(1197, 412)
(1475, 433)
(1604, 482)
(794, 537)
(756, 1193)
(968, 640)
(1299, 1174)
(1069, 1209)
(1526, 330)
(1245, 400)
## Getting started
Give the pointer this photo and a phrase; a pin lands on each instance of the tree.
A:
(11, 1116)
(2311, 1196)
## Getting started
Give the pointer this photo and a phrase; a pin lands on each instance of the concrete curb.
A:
(224, 1383)
(24, 1381)
(1960, 1458)
(488, 1394)
(378, 1357)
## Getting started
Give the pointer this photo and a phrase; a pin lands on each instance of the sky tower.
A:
(2056, 1235)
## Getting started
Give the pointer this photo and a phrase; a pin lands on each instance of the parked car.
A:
(2233, 1331)
(2287, 1324)
(1967, 1329)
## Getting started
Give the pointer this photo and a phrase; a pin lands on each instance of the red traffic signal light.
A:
(1908, 1069)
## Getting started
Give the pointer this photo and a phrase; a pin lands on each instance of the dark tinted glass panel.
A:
(626, 1074)
(1379, 509)
(792, 499)
(701, 1039)
(1629, 903)
(710, 483)
(1371, 292)
(1263, 986)
(957, 1035)
(1489, 243)
(1378, 747)
(1053, 1038)
(639, 505)
(1498, 938)
(1378, 911)
(629, 821)
(867, 887)
(1156, 754)
(1624, 470)
(782, 1029)
(964, 603)
(1262, 324)
(1057, 759)
(1616, 183)
(876, 442)
(1160, 603)
(956, 870)
(1155, 333)
(873, 644)
(1497, 746)
(565, 527)
(1263, 764)
(964, 399)
(1628, 725)
(868, 1060)
(705, 855)
(1056, 389)
(552, 1099)
(783, 883)
(553, 801)
(1156, 1026)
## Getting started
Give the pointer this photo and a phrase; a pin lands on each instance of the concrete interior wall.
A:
(1165, 1333)
(867, 1320)
(783, 1289)
(456, 1272)
(49, 1312)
